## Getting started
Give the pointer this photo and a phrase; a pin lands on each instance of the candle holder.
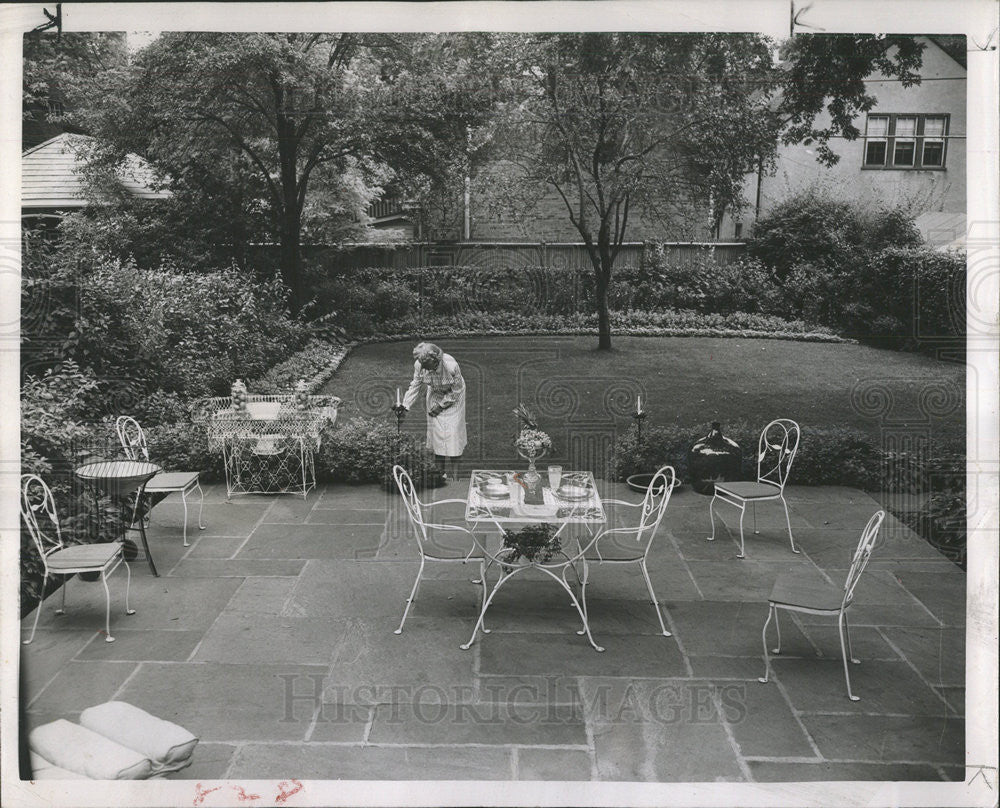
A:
(639, 417)
(400, 411)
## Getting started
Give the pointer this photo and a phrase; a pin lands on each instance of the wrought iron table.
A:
(119, 479)
(584, 508)
(268, 447)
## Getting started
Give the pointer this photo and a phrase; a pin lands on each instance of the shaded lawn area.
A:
(577, 391)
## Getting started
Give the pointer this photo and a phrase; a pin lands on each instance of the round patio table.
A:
(119, 479)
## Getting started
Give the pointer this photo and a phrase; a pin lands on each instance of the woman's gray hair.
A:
(425, 350)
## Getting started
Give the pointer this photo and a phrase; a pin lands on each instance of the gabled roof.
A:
(50, 178)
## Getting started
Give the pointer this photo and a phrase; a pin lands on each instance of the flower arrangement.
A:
(532, 442)
(532, 542)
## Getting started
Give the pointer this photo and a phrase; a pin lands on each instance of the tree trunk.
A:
(291, 256)
(603, 315)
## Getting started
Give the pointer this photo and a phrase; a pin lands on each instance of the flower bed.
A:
(315, 364)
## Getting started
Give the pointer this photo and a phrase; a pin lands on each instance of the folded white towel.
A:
(88, 753)
(167, 745)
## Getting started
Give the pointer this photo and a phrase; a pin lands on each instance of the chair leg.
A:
(128, 584)
(201, 504)
(652, 594)
(777, 628)
(763, 636)
(482, 577)
(38, 609)
(107, 609)
(788, 522)
(711, 515)
(185, 501)
(62, 609)
(850, 650)
(583, 594)
(843, 651)
(753, 508)
(743, 512)
(411, 598)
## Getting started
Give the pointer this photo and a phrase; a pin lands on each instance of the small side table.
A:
(119, 479)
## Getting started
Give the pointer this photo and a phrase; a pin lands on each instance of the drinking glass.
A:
(555, 476)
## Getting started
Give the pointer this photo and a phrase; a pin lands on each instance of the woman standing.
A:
(445, 402)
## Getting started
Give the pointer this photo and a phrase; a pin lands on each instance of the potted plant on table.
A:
(531, 444)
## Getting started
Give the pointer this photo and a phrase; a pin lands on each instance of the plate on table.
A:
(494, 489)
(573, 493)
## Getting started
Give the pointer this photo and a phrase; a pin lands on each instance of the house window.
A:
(902, 141)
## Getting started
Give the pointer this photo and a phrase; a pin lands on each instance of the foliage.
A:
(533, 542)
(637, 323)
(315, 363)
(364, 450)
(830, 456)
(820, 230)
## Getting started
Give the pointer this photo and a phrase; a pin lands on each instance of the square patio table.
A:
(586, 509)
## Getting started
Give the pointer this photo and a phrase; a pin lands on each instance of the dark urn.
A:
(714, 459)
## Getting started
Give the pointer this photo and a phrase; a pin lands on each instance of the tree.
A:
(664, 123)
(300, 128)
(669, 124)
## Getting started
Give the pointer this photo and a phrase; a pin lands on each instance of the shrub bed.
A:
(315, 363)
(836, 456)
(365, 450)
(633, 323)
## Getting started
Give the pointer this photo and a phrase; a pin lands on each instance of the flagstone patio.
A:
(271, 638)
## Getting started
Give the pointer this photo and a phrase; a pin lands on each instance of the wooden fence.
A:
(499, 255)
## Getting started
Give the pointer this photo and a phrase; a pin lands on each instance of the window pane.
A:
(903, 153)
(933, 153)
(934, 127)
(906, 127)
(875, 153)
(878, 125)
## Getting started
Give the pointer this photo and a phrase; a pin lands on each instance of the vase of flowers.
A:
(531, 444)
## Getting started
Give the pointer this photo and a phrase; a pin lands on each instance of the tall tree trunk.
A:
(291, 256)
(603, 315)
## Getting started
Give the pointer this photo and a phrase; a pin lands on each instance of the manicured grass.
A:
(585, 396)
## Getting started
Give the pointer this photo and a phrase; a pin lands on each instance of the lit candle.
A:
(397, 397)
(638, 405)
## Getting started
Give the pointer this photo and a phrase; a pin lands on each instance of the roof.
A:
(942, 230)
(50, 178)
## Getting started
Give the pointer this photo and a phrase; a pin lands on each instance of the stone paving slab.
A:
(231, 702)
(265, 638)
(214, 568)
(763, 722)
(646, 731)
(539, 763)
(728, 628)
(81, 684)
(142, 645)
(280, 541)
(817, 685)
(939, 654)
(874, 738)
(332, 762)
(768, 772)
(488, 723)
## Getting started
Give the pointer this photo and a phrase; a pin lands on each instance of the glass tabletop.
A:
(499, 496)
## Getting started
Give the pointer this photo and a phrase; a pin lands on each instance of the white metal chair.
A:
(793, 594)
(779, 441)
(60, 559)
(631, 544)
(133, 441)
(428, 535)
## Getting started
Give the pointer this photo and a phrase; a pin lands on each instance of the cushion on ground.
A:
(167, 745)
(749, 490)
(85, 752)
(806, 591)
(171, 481)
(41, 769)
(83, 555)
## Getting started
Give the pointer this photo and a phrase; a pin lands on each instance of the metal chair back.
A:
(862, 555)
(36, 502)
(779, 441)
(132, 438)
(412, 503)
(654, 504)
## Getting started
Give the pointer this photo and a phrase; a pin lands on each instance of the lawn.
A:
(584, 397)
